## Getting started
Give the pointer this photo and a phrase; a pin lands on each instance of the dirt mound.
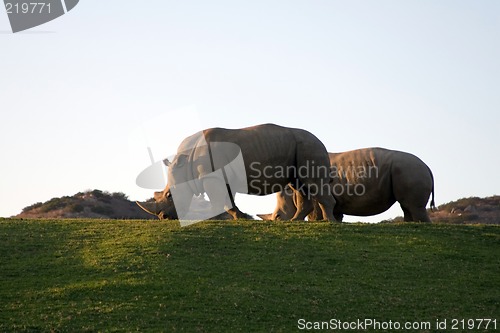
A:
(88, 204)
(469, 210)
(102, 204)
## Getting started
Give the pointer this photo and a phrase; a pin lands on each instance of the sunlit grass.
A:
(105, 275)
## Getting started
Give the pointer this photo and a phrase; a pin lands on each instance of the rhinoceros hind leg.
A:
(407, 214)
(415, 214)
(419, 214)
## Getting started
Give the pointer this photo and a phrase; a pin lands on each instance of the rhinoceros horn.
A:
(148, 207)
(265, 217)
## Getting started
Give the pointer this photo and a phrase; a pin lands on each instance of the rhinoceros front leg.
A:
(304, 206)
(234, 211)
(326, 204)
(221, 197)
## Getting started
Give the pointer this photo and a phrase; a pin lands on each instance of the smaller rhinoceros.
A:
(368, 182)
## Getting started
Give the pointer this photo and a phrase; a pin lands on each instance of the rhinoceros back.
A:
(272, 155)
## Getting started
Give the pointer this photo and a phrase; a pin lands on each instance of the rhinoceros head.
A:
(163, 205)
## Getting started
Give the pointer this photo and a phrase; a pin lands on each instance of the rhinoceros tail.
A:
(433, 205)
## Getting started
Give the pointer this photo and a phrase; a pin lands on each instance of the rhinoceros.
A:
(368, 182)
(256, 160)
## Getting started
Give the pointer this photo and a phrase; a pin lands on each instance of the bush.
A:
(461, 203)
(33, 206)
(97, 194)
(472, 217)
(76, 208)
(103, 210)
(119, 195)
(105, 199)
(55, 203)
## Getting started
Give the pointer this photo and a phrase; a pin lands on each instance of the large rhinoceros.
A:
(368, 182)
(257, 160)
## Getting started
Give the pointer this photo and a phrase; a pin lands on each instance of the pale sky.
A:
(83, 96)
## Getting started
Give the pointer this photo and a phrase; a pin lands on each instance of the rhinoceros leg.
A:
(235, 212)
(415, 214)
(217, 193)
(221, 198)
(326, 202)
(305, 206)
(407, 215)
(419, 214)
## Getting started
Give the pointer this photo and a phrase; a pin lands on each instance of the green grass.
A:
(109, 275)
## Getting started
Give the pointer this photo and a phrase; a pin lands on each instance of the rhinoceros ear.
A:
(158, 196)
(167, 162)
(180, 160)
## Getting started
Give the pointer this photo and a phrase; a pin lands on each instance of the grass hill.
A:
(85, 275)
(88, 204)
